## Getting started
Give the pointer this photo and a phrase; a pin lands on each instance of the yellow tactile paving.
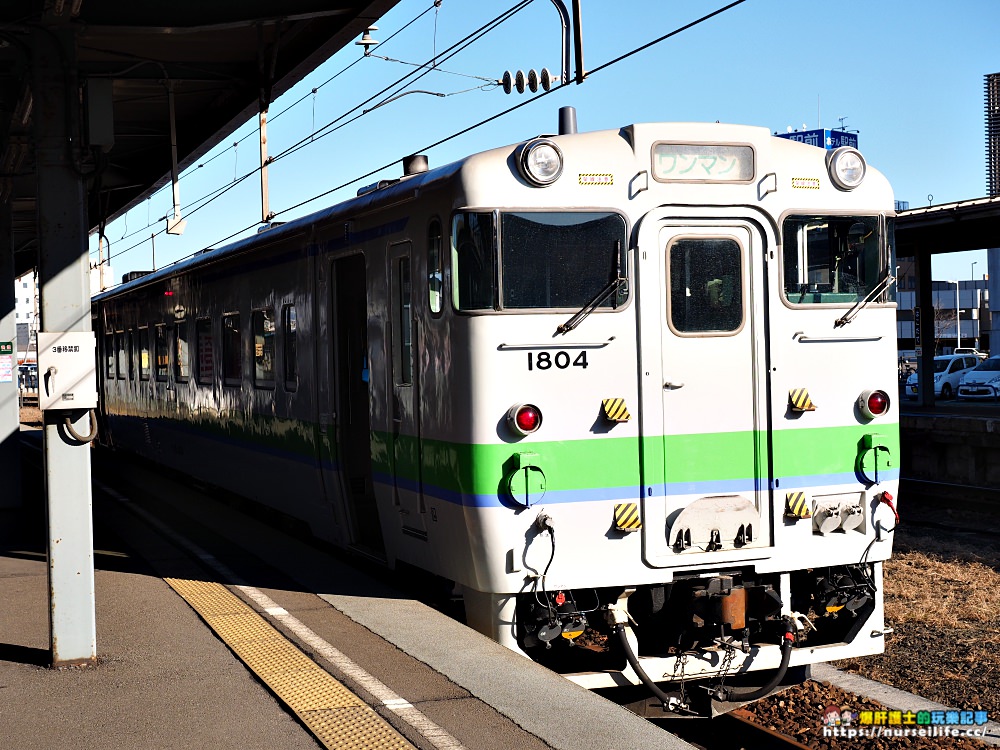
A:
(335, 716)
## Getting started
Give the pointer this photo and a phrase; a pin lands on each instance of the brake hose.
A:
(724, 694)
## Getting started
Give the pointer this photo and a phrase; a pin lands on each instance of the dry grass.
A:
(947, 591)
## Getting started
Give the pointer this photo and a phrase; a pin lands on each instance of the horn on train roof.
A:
(415, 164)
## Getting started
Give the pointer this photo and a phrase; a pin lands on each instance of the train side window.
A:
(182, 353)
(232, 349)
(120, 366)
(704, 276)
(288, 331)
(263, 347)
(474, 261)
(144, 364)
(203, 342)
(435, 270)
(109, 354)
(162, 352)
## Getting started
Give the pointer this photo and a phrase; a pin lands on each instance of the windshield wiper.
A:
(860, 305)
(612, 286)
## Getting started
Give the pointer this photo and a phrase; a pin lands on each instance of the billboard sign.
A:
(828, 139)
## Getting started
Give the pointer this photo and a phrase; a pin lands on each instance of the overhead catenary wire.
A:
(325, 130)
(459, 46)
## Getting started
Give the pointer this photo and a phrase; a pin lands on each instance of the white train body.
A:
(702, 450)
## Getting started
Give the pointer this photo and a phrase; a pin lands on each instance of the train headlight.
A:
(540, 162)
(873, 403)
(847, 167)
(524, 419)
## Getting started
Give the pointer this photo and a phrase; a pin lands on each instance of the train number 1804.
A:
(560, 360)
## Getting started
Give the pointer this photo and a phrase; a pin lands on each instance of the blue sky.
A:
(907, 74)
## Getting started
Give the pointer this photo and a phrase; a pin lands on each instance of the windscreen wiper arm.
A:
(612, 286)
(860, 305)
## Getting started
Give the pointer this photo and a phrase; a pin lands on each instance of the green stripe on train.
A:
(614, 462)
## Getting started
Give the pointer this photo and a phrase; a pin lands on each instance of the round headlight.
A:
(541, 162)
(847, 167)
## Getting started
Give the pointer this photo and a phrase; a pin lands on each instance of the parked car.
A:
(948, 372)
(971, 350)
(983, 382)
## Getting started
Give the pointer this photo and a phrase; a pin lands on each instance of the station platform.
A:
(200, 644)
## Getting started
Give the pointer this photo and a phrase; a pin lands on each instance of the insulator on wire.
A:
(520, 81)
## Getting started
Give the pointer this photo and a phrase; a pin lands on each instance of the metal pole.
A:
(958, 320)
(64, 275)
(265, 200)
(10, 444)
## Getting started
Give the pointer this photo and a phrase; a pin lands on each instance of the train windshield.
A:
(834, 259)
(547, 260)
(560, 260)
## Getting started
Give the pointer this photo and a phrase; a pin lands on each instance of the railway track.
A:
(734, 731)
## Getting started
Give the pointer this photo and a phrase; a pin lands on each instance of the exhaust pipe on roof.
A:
(567, 120)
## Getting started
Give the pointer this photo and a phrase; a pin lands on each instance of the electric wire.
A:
(459, 46)
(311, 93)
(323, 131)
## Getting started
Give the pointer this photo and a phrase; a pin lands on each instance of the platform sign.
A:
(822, 138)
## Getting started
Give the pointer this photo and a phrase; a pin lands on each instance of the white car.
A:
(983, 382)
(948, 372)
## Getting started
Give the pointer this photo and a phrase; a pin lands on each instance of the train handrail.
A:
(801, 337)
(560, 345)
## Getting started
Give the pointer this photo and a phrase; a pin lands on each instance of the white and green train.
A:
(627, 389)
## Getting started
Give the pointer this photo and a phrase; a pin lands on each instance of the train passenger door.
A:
(705, 447)
(404, 439)
(353, 418)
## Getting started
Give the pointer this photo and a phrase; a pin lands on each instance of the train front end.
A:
(674, 349)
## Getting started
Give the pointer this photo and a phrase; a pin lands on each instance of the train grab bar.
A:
(560, 345)
(801, 337)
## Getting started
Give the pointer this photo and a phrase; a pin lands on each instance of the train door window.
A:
(435, 269)
(182, 353)
(704, 276)
(404, 347)
(130, 353)
(109, 354)
(143, 351)
(263, 347)
(120, 366)
(203, 342)
(474, 261)
(288, 332)
(162, 352)
(232, 349)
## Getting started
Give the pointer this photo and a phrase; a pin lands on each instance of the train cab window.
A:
(435, 269)
(203, 344)
(474, 261)
(704, 276)
(182, 353)
(263, 347)
(288, 326)
(232, 349)
(833, 259)
(120, 365)
(162, 352)
(143, 351)
(562, 260)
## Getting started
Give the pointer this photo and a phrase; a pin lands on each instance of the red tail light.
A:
(524, 418)
(874, 403)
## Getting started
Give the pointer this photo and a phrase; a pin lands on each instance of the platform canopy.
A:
(221, 59)
(950, 227)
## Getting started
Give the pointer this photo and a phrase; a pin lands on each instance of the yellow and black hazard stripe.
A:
(627, 517)
(799, 398)
(615, 410)
(796, 505)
